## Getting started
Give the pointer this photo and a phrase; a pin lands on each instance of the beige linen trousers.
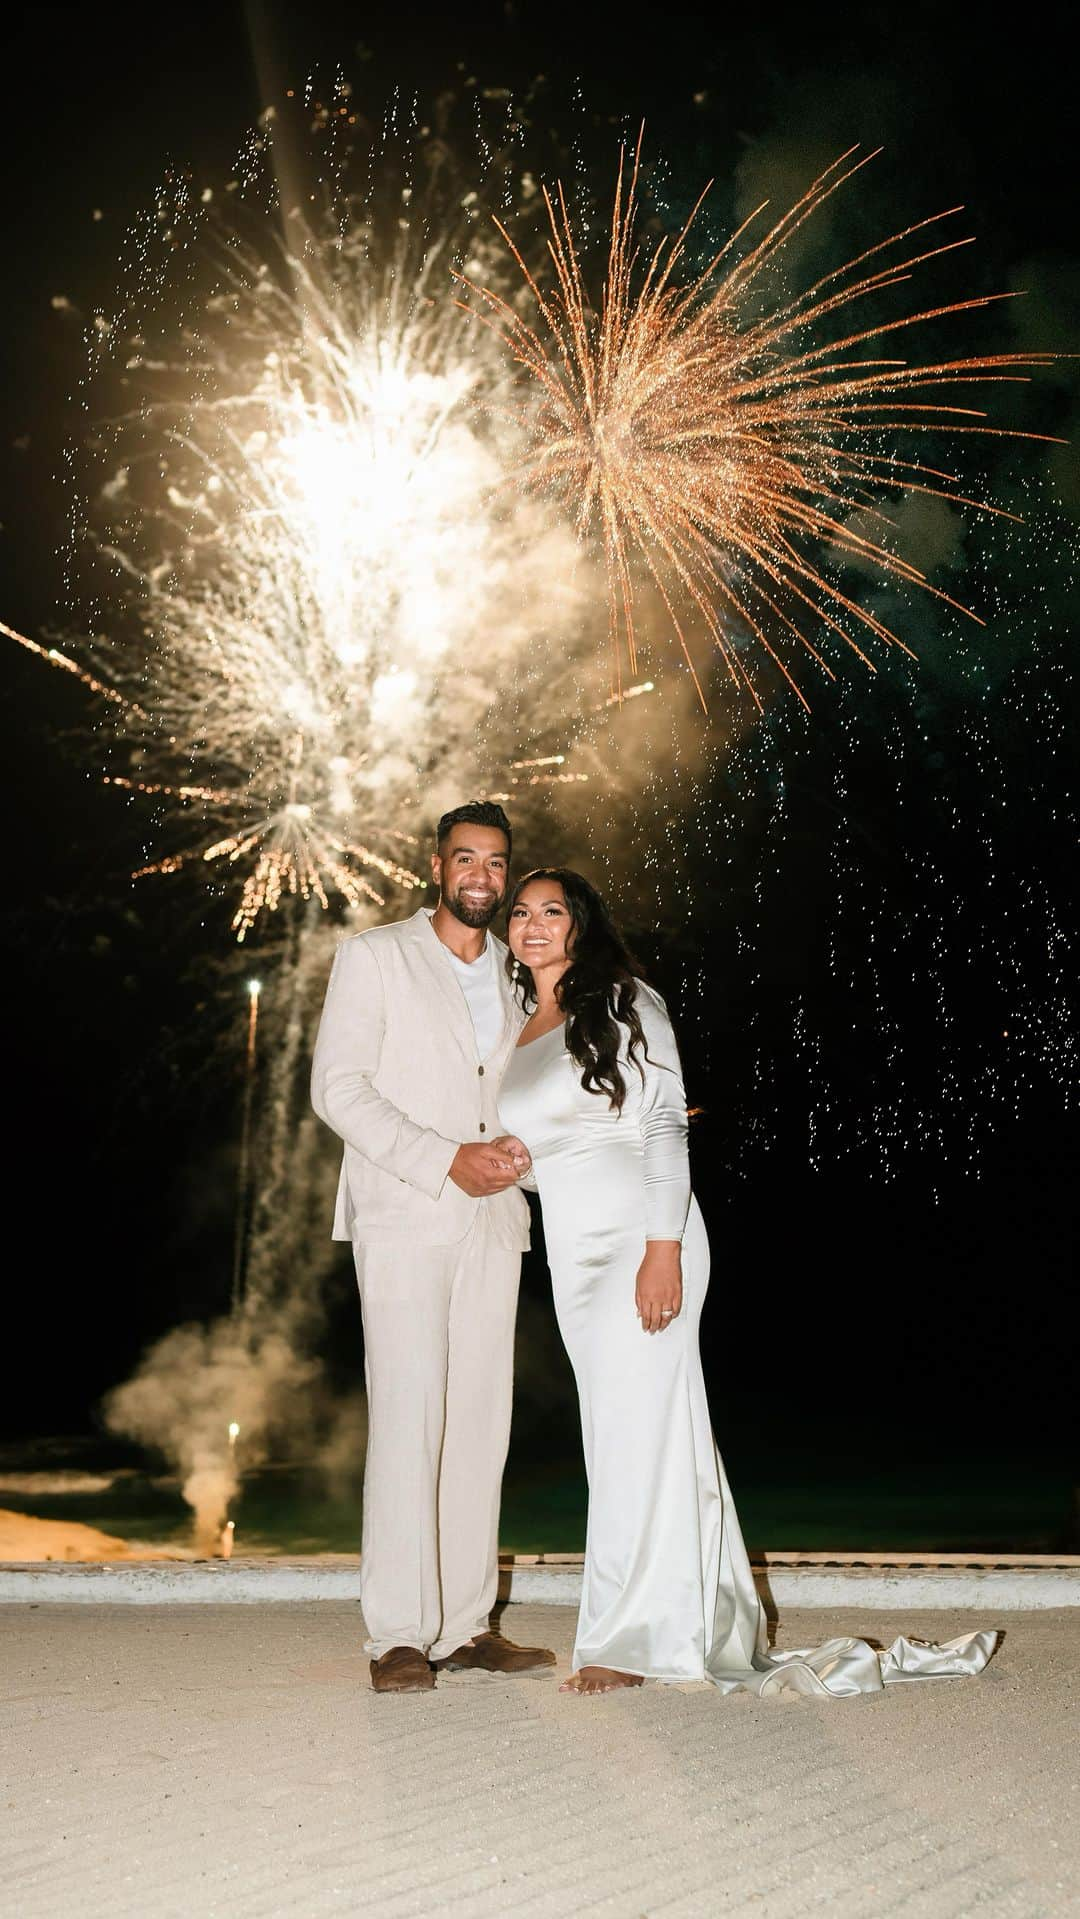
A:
(397, 1076)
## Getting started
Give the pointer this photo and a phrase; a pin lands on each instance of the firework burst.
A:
(721, 443)
(330, 584)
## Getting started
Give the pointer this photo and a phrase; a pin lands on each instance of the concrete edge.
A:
(832, 1586)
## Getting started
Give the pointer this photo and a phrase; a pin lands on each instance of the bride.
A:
(594, 1091)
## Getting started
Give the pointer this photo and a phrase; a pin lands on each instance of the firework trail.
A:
(218, 1399)
(717, 440)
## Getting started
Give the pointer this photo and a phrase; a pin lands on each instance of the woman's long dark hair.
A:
(597, 990)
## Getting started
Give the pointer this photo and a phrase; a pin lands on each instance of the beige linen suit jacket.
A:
(397, 1075)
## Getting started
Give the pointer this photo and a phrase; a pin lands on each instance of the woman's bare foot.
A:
(599, 1679)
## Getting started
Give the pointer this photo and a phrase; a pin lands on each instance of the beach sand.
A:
(23, 1538)
(185, 1761)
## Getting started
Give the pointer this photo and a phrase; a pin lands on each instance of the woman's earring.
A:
(514, 971)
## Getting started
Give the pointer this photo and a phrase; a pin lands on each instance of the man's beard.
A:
(474, 916)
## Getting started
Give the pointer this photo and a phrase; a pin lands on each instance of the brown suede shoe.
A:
(490, 1652)
(402, 1669)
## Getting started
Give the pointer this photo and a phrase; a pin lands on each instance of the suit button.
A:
(483, 1128)
(480, 1070)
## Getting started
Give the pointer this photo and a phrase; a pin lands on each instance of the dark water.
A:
(981, 1505)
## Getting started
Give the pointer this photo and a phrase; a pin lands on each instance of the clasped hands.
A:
(481, 1167)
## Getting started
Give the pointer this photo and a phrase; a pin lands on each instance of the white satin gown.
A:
(667, 1589)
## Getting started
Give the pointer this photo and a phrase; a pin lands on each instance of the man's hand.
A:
(658, 1296)
(516, 1150)
(480, 1169)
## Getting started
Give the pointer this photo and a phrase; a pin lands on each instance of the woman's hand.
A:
(515, 1149)
(658, 1296)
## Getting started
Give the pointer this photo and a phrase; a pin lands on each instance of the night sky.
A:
(885, 1155)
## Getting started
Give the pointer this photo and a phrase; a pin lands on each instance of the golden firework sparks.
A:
(53, 656)
(310, 553)
(721, 443)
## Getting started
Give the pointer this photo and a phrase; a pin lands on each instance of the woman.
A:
(595, 1092)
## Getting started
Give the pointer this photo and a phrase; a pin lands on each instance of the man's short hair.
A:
(474, 813)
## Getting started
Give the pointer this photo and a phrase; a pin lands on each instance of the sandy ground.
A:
(232, 1760)
(25, 1538)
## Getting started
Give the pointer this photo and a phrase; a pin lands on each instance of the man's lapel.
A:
(430, 951)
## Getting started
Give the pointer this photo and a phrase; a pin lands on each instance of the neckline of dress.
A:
(522, 1045)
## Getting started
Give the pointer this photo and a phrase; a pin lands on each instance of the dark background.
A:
(893, 1287)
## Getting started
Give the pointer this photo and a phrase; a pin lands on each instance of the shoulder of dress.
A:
(647, 999)
(661, 1040)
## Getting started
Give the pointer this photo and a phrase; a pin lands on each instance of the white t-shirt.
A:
(480, 985)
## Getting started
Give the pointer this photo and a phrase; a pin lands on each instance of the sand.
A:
(23, 1539)
(191, 1761)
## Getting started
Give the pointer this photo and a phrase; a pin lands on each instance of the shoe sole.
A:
(505, 1672)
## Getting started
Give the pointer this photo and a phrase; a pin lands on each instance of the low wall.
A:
(890, 1582)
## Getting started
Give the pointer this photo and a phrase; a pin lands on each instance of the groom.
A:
(417, 1028)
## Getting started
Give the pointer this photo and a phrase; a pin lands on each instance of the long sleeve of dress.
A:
(343, 1092)
(663, 1123)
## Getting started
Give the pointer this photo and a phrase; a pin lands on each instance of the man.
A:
(417, 1027)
